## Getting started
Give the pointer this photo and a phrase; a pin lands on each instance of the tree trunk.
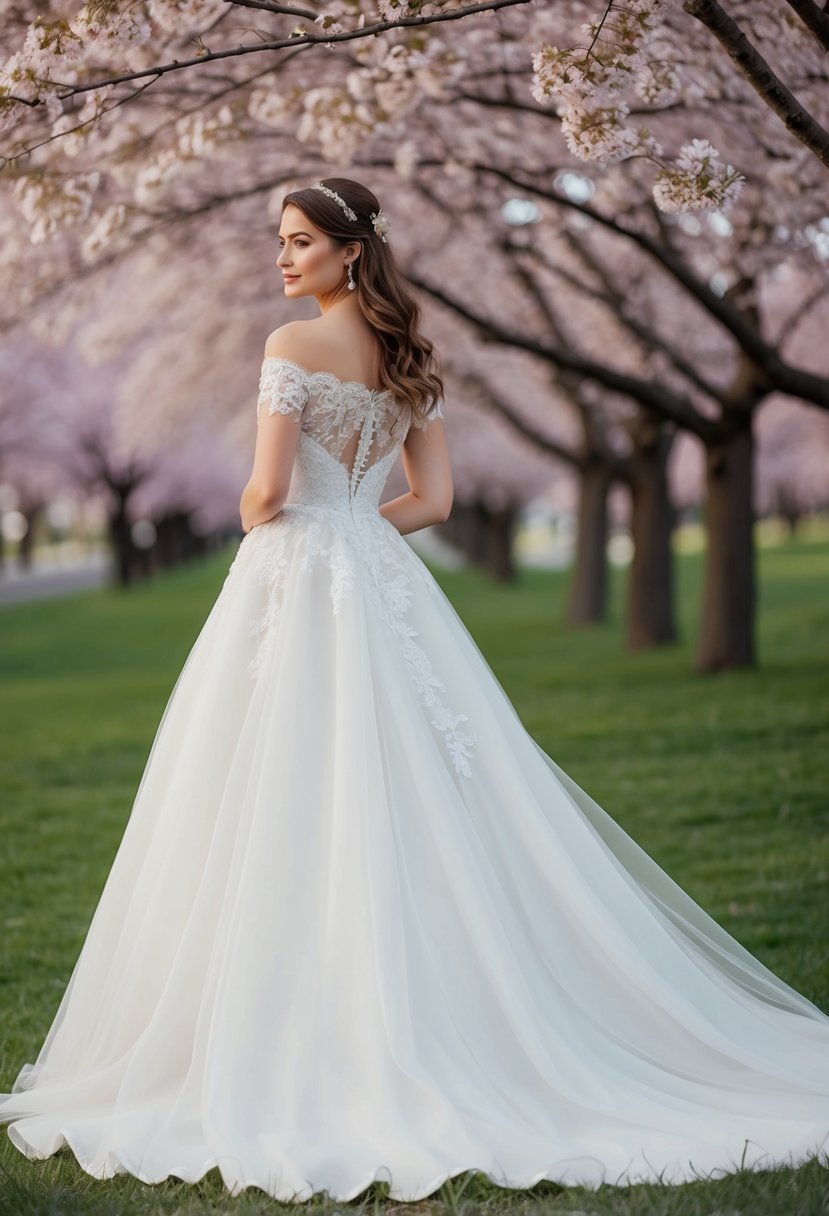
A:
(788, 508)
(587, 600)
(31, 512)
(501, 531)
(466, 530)
(174, 540)
(126, 553)
(651, 619)
(726, 637)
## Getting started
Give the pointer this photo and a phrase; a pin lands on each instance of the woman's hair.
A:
(408, 367)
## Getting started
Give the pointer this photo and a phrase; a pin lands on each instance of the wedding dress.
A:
(361, 927)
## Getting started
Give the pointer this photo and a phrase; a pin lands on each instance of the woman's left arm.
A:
(276, 443)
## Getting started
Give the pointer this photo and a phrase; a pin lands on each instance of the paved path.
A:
(50, 577)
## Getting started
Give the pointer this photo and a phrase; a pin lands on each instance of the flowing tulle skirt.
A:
(361, 927)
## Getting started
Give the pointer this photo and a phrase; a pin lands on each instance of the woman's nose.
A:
(282, 260)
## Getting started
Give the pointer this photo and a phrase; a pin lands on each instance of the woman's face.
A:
(310, 262)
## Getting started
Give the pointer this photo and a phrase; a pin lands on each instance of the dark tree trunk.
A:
(175, 540)
(466, 529)
(25, 549)
(501, 564)
(726, 637)
(484, 536)
(587, 599)
(651, 619)
(127, 555)
(31, 512)
(788, 508)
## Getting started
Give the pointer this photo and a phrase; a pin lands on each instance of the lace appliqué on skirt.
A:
(396, 598)
(390, 589)
(271, 571)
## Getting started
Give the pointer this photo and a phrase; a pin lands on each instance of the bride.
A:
(360, 926)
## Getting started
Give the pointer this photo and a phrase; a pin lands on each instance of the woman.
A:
(360, 926)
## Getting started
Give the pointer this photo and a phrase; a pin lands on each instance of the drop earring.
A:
(351, 283)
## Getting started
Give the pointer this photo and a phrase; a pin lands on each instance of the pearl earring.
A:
(351, 283)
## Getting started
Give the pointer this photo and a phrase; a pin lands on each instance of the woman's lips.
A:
(289, 278)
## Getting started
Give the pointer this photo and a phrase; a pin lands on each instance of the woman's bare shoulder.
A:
(316, 345)
(294, 340)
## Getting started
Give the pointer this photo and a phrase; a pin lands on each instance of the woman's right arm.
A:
(428, 470)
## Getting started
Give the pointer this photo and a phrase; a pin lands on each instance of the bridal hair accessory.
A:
(378, 220)
(351, 283)
(339, 201)
(380, 225)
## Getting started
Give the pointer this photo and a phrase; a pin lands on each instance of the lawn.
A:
(722, 779)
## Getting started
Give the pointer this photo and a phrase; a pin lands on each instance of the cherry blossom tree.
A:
(110, 54)
(62, 433)
(474, 105)
(714, 398)
(32, 453)
(497, 473)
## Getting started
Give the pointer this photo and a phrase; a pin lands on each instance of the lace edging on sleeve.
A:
(282, 387)
(435, 411)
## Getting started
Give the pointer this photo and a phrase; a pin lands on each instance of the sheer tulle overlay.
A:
(361, 927)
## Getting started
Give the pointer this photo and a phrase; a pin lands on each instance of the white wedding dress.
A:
(361, 927)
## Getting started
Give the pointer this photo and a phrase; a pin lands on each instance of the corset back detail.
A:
(351, 434)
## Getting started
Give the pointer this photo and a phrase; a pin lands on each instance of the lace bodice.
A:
(351, 434)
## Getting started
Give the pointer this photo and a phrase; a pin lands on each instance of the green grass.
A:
(722, 779)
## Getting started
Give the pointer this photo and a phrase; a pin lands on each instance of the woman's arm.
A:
(279, 412)
(256, 507)
(428, 471)
(276, 443)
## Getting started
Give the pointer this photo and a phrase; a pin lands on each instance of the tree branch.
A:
(805, 307)
(769, 87)
(650, 339)
(287, 10)
(570, 382)
(779, 374)
(280, 44)
(544, 442)
(813, 18)
(656, 397)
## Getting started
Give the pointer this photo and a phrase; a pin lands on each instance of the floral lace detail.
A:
(325, 492)
(390, 571)
(336, 409)
(395, 600)
(271, 569)
(331, 409)
(282, 388)
(436, 411)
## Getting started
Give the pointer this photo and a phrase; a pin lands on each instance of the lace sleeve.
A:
(436, 411)
(282, 387)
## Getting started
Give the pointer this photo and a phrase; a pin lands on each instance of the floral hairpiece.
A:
(378, 220)
(352, 215)
(380, 225)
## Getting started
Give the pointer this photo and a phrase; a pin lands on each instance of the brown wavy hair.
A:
(408, 365)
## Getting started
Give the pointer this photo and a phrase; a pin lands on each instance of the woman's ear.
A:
(353, 250)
